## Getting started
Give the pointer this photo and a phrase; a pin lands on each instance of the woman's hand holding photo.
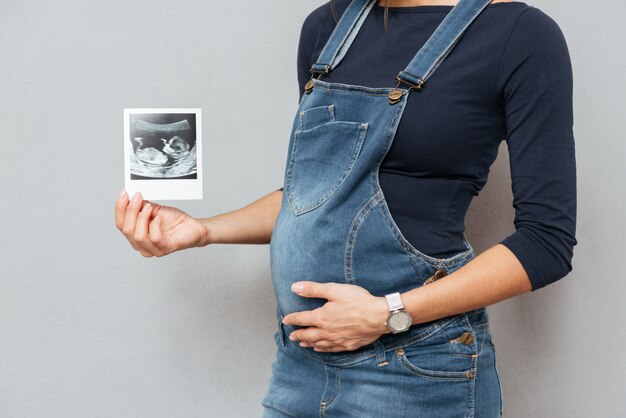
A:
(157, 230)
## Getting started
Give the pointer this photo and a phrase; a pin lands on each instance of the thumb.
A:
(311, 289)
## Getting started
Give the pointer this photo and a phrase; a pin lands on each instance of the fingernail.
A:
(136, 197)
(297, 287)
(147, 208)
(122, 193)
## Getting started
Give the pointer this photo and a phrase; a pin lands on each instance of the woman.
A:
(381, 300)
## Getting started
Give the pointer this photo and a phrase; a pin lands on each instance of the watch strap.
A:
(394, 301)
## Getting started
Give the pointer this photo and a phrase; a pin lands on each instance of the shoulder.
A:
(535, 47)
(536, 30)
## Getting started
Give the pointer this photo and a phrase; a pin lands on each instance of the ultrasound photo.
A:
(163, 145)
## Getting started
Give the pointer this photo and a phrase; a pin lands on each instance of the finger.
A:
(131, 219)
(309, 289)
(303, 318)
(323, 345)
(155, 206)
(156, 235)
(120, 208)
(141, 231)
(330, 349)
(308, 335)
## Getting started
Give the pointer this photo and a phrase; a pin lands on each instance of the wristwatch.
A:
(399, 319)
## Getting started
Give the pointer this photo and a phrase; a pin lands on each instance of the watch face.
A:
(400, 320)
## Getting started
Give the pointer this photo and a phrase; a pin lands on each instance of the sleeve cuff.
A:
(542, 265)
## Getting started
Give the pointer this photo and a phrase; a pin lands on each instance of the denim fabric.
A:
(334, 225)
(425, 373)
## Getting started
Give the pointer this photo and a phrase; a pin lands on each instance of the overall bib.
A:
(334, 225)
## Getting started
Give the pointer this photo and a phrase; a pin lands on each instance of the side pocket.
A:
(493, 347)
(447, 354)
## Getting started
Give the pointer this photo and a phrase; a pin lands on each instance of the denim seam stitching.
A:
(441, 58)
(349, 243)
(482, 326)
(302, 125)
(414, 252)
(355, 153)
(343, 48)
(466, 323)
(337, 389)
(323, 402)
(329, 43)
(433, 374)
(370, 91)
(333, 46)
(406, 245)
(472, 384)
(493, 348)
(425, 333)
(300, 209)
(290, 164)
(391, 131)
(443, 55)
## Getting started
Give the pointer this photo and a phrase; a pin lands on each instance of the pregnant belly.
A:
(364, 253)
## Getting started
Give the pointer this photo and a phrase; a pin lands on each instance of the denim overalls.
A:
(334, 226)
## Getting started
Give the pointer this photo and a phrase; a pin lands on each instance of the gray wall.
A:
(90, 328)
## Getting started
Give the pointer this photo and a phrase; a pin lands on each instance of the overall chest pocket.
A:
(315, 116)
(323, 152)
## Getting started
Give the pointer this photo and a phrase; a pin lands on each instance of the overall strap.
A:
(427, 59)
(441, 42)
(342, 36)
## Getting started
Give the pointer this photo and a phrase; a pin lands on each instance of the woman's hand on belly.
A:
(351, 318)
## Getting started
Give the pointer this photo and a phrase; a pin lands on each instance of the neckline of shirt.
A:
(435, 8)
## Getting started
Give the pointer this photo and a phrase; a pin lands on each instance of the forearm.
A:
(492, 276)
(251, 224)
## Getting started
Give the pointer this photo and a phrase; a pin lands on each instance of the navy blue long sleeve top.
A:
(509, 78)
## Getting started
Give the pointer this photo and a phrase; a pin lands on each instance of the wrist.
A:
(399, 319)
(209, 234)
(381, 313)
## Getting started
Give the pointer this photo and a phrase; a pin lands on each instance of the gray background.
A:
(88, 327)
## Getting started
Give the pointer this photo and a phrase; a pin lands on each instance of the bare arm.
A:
(157, 230)
(251, 224)
(494, 275)
(357, 317)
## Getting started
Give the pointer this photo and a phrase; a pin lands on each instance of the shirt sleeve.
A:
(535, 85)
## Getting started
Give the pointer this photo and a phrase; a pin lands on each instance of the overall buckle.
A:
(395, 95)
(308, 87)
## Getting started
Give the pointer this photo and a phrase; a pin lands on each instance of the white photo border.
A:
(166, 189)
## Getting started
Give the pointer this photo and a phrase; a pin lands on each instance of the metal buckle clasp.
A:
(308, 87)
(417, 86)
(396, 94)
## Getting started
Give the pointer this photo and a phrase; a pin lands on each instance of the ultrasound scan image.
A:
(164, 146)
